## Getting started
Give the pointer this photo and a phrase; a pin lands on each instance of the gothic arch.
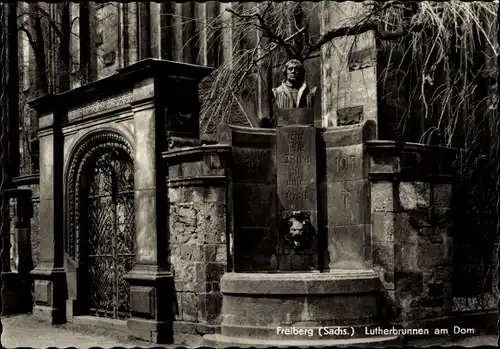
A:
(90, 147)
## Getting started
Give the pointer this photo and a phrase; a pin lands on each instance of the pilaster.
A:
(149, 279)
(49, 275)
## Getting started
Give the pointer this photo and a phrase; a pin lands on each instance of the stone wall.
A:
(197, 192)
(411, 197)
(349, 76)
(31, 182)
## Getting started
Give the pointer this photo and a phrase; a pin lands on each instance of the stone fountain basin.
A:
(255, 305)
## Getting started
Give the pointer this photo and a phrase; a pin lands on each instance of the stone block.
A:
(411, 163)
(442, 195)
(409, 282)
(212, 223)
(386, 278)
(443, 273)
(177, 304)
(255, 248)
(414, 195)
(142, 301)
(383, 163)
(348, 203)
(406, 257)
(383, 227)
(434, 289)
(259, 207)
(175, 195)
(254, 165)
(209, 306)
(383, 255)
(214, 271)
(189, 306)
(191, 252)
(432, 302)
(43, 292)
(345, 163)
(184, 275)
(297, 262)
(431, 255)
(183, 224)
(382, 197)
(347, 247)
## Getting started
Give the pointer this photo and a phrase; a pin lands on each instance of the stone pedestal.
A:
(297, 190)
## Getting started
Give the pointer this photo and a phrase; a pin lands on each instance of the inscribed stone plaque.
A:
(296, 167)
(297, 195)
(345, 163)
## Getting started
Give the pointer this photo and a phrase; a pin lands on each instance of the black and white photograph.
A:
(249, 174)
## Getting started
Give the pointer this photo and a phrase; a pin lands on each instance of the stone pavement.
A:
(24, 331)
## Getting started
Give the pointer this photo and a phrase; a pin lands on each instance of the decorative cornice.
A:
(409, 177)
(197, 181)
(198, 150)
(26, 179)
(125, 78)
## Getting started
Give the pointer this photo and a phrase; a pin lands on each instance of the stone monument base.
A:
(286, 307)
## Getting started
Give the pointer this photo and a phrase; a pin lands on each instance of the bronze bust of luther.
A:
(294, 91)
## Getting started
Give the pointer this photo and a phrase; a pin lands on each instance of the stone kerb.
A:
(197, 185)
(344, 196)
(411, 187)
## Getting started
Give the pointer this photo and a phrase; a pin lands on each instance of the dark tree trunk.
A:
(42, 80)
(85, 48)
(62, 76)
(498, 157)
(13, 95)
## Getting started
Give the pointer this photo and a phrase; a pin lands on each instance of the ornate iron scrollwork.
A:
(101, 212)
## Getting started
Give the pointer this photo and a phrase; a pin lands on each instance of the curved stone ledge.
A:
(196, 150)
(26, 179)
(339, 282)
(390, 157)
(197, 181)
(348, 135)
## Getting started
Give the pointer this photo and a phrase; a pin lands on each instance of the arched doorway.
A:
(108, 198)
(100, 238)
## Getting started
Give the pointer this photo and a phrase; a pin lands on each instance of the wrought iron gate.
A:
(110, 233)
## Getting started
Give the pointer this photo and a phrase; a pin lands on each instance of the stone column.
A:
(17, 283)
(49, 275)
(150, 302)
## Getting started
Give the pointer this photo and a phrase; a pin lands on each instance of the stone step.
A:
(221, 341)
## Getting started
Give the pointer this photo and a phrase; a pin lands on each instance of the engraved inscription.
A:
(296, 195)
(346, 196)
(296, 159)
(343, 163)
(296, 167)
(250, 165)
(296, 182)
